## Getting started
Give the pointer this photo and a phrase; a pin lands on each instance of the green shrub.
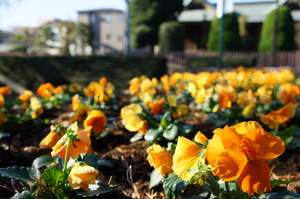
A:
(285, 31)
(141, 36)
(231, 37)
(171, 36)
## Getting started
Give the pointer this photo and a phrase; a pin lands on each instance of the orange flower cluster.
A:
(237, 152)
(240, 151)
(101, 91)
(47, 89)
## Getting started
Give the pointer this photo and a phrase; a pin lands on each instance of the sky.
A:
(33, 13)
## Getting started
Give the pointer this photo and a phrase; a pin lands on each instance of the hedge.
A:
(30, 72)
(195, 64)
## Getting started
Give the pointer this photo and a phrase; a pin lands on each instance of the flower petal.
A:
(215, 147)
(230, 136)
(185, 158)
(261, 145)
(245, 127)
(255, 178)
(160, 159)
(230, 163)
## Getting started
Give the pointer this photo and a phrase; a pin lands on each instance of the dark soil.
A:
(130, 170)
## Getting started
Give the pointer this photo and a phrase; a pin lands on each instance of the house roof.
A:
(196, 15)
(100, 10)
(255, 12)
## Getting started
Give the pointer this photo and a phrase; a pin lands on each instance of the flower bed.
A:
(227, 134)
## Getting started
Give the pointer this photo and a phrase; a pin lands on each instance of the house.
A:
(198, 14)
(108, 26)
(5, 37)
(55, 37)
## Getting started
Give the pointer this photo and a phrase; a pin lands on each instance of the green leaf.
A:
(23, 195)
(171, 133)
(164, 122)
(185, 129)
(202, 195)
(155, 179)
(285, 194)
(275, 183)
(3, 135)
(42, 161)
(173, 186)
(195, 177)
(106, 163)
(136, 137)
(95, 190)
(151, 135)
(24, 174)
(53, 176)
(287, 132)
(91, 159)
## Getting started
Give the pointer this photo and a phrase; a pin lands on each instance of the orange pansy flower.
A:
(234, 150)
(131, 119)
(180, 111)
(185, 156)
(36, 106)
(2, 101)
(287, 93)
(52, 138)
(58, 89)
(160, 159)
(156, 107)
(5, 90)
(95, 120)
(45, 90)
(83, 145)
(82, 175)
(279, 117)
(80, 114)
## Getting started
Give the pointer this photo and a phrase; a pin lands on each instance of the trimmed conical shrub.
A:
(231, 37)
(171, 36)
(285, 31)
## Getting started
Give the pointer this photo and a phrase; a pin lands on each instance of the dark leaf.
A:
(42, 161)
(173, 186)
(155, 179)
(24, 174)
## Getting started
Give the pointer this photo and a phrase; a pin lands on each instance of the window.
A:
(92, 18)
(120, 18)
(108, 17)
(120, 38)
(108, 36)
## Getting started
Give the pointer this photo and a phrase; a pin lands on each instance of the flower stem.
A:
(67, 154)
(238, 191)
(227, 189)
(214, 186)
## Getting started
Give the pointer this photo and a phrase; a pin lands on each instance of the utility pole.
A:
(221, 37)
